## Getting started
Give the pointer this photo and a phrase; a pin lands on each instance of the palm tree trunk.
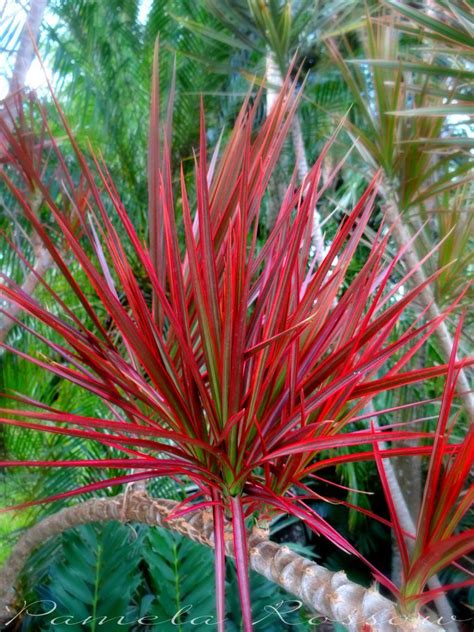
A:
(402, 237)
(24, 58)
(26, 49)
(42, 263)
(274, 82)
(330, 595)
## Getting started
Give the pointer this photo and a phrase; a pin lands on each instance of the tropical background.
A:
(391, 82)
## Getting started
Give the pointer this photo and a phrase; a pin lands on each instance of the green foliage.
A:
(93, 576)
(110, 570)
(9, 524)
(181, 577)
(101, 54)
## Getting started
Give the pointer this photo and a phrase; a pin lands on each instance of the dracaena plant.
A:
(246, 369)
(440, 538)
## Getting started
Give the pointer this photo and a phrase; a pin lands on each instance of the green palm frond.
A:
(441, 45)
(181, 574)
(103, 54)
(381, 84)
(447, 23)
(91, 572)
(12, 18)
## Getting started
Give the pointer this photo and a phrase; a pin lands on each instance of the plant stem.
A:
(241, 560)
(96, 587)
(402, 237)
(219, 545)
(42, 263)
(26, 49)
(176, 582)
(274, 83)
(24, 58)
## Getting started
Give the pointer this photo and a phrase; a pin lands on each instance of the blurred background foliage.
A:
(401, 73)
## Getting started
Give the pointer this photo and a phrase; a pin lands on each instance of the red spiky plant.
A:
(249, 363)
(440, 540)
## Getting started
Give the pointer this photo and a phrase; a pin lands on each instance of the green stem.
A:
(176, 583)
(96, 587)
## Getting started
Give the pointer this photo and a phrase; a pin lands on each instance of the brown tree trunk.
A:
(402, 237)
(274, 82)
(42, 263)
(26, 49)
(24, 58)
(328, 594)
